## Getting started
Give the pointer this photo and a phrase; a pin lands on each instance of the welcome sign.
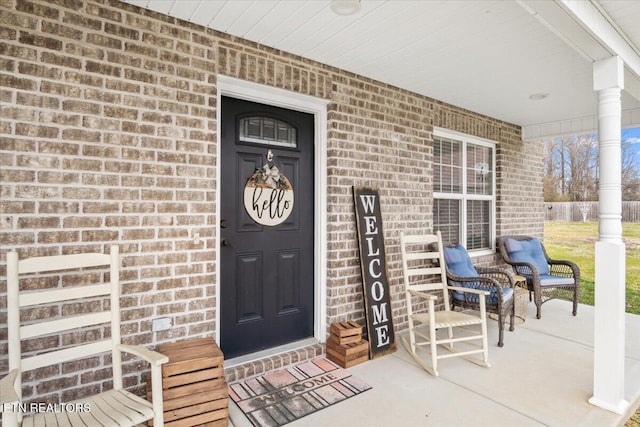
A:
(373, 264)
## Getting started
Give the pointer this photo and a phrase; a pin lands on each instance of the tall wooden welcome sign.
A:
(375, 284)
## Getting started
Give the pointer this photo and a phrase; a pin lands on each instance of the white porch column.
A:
(609, 331)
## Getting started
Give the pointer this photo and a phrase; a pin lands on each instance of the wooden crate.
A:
(193, 387)
(348, 355)
(345, 332)
(345, 345)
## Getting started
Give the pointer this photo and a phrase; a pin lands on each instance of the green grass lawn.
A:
(575, 241)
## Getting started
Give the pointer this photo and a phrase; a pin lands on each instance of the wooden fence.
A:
(587, 211)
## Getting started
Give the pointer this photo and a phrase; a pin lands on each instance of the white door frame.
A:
(242, 89)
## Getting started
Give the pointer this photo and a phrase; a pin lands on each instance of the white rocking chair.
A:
(116, 407)
(425, 279)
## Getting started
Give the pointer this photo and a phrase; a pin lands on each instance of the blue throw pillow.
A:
(459, 262)
(529, 251)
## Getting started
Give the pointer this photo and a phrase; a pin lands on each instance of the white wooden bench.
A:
(116, 407)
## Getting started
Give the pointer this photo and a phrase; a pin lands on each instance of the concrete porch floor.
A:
(543, 376)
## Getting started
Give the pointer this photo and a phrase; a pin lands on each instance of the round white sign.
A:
(268, 196)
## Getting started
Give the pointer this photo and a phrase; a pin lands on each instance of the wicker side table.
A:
(520, 295)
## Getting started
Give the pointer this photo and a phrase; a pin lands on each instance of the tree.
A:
(572, 170)
(582, 165)
(630, 169)
(553, 172)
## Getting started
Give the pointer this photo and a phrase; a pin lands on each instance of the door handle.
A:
(225, 243)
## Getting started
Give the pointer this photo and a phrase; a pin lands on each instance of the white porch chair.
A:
(425, 281)
(116, 407)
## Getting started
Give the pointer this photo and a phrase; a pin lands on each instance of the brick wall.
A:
(109, 135)
(521, 207)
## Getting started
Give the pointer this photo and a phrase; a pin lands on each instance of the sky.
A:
(633, 135)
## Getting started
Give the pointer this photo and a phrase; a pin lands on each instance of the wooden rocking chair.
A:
(116, 407)
(425, 279)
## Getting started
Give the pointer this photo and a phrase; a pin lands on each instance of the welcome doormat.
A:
(283, 396)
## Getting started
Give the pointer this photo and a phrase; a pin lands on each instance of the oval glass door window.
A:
(268, 196)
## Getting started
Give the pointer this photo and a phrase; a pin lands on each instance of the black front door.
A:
(267, 277)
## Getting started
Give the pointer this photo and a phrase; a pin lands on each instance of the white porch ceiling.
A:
(485, 56)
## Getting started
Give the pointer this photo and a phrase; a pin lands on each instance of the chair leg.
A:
(434, 350)
(513, 315)
(411, 345)
(485, 343)
(415, 356)
(412, 348)
(500, 330)
(575, 302)
(412, 338)
(450, 334)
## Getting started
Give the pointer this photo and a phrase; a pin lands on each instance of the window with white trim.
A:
(464, 190)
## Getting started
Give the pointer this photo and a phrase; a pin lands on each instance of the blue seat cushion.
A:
(459, 263)
(529, 251)
(551, 280)
(492, 298)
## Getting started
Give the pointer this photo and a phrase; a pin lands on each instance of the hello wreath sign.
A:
(268, 195)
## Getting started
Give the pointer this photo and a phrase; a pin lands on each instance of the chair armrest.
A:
(153, 357)
(468, 290)
(156, 360)
(8, 393)
(422, 295)
(565, 267)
